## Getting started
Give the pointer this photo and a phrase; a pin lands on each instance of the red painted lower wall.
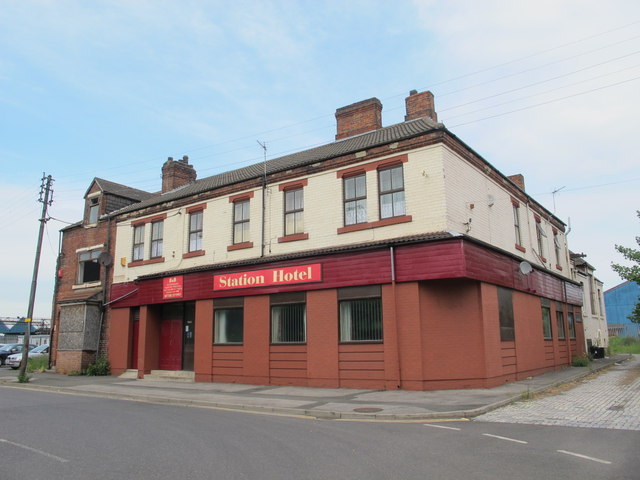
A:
(439, 333)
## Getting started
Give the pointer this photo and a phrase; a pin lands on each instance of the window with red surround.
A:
(293, 210)
(540, 236)
(516, 224)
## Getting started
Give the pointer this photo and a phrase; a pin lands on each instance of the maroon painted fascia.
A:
(438, 260)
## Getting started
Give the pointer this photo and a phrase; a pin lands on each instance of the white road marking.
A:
(441, 426)
(593, 459)
(35, 450)
(505, 438)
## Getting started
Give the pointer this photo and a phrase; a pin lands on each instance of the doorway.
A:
(177, 336)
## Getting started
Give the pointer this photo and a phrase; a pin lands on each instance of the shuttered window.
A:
(288, 318)
(360, 310)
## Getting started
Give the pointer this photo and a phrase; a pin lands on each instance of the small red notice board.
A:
(172, 287)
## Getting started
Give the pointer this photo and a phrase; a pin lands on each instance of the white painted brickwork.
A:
(480, 208)
(442, 193)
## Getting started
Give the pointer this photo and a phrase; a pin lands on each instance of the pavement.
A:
(320, 403)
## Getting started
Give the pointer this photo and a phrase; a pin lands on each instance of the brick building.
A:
(83, 277)
(393, 257)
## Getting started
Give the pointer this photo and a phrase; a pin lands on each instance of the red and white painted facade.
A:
(439, 263)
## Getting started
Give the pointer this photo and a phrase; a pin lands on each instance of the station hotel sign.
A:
(269, 277)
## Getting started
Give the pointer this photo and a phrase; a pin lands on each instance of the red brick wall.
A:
(73, 361)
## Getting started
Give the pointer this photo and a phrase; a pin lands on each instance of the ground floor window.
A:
(560, 322)
(228, 320)
(288, 318)
(572, 325)
(360, 310)
(546, 318)
(505, 313)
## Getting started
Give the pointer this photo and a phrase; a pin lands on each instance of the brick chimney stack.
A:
(360, 117)
(420, 105)
(177, 174)
(518, 180)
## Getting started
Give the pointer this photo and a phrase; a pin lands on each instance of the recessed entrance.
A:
(177, 336)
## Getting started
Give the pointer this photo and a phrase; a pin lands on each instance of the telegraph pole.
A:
(46, 198)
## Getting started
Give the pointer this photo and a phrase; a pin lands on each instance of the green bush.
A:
(101, 367)
(38, 364)
(624, 345)
(582, 361)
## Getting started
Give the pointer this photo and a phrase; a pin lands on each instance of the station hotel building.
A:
(392, 258)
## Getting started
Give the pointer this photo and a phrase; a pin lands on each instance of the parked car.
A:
(10, 349)
(14, 360)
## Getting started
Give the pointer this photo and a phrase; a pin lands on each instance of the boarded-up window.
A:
(505, 311)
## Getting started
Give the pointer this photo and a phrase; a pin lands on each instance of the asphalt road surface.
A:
(60, 436)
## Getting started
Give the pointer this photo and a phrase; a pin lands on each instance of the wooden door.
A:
(171, 344)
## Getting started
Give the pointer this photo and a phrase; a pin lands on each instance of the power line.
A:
(545, 103)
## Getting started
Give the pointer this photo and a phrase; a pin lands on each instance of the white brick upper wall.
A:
(440, 190)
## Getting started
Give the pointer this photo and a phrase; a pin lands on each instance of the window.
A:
(88, 266)
(360, 310)
(288, 318)
(228, 316)
(572, 325)
(391, 185)
(138, 243)
(156, 239)
(293, 211)
(560, 322)
(505, 313)
(558, 248)
(94, 209)
(546, 319)
(355, 200)
(195, 231)
(540, 236)
(241, 221)
(516, 223)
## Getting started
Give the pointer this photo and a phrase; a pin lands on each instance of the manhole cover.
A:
(367, 410)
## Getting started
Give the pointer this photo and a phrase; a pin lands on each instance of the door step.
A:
(130, 373)
(171, 376)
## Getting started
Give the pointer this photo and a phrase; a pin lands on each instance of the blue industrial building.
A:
(619, 302)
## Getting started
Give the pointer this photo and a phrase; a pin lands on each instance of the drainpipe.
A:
(264, 197)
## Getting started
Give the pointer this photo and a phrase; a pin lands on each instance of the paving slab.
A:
(334, 403)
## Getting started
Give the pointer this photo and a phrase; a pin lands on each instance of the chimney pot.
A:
(420, 105)
(518, 180)
(360, 117)
(177, 174)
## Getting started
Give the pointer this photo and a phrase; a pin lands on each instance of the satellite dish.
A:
(105, 259)
(525, 267)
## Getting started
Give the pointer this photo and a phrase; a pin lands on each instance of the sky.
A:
(549, 89)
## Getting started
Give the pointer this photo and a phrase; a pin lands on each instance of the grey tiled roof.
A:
(345, 146)
(122, 190)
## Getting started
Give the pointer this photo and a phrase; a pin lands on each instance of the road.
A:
(60, 436)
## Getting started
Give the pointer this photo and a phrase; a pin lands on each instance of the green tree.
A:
(631, 273)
